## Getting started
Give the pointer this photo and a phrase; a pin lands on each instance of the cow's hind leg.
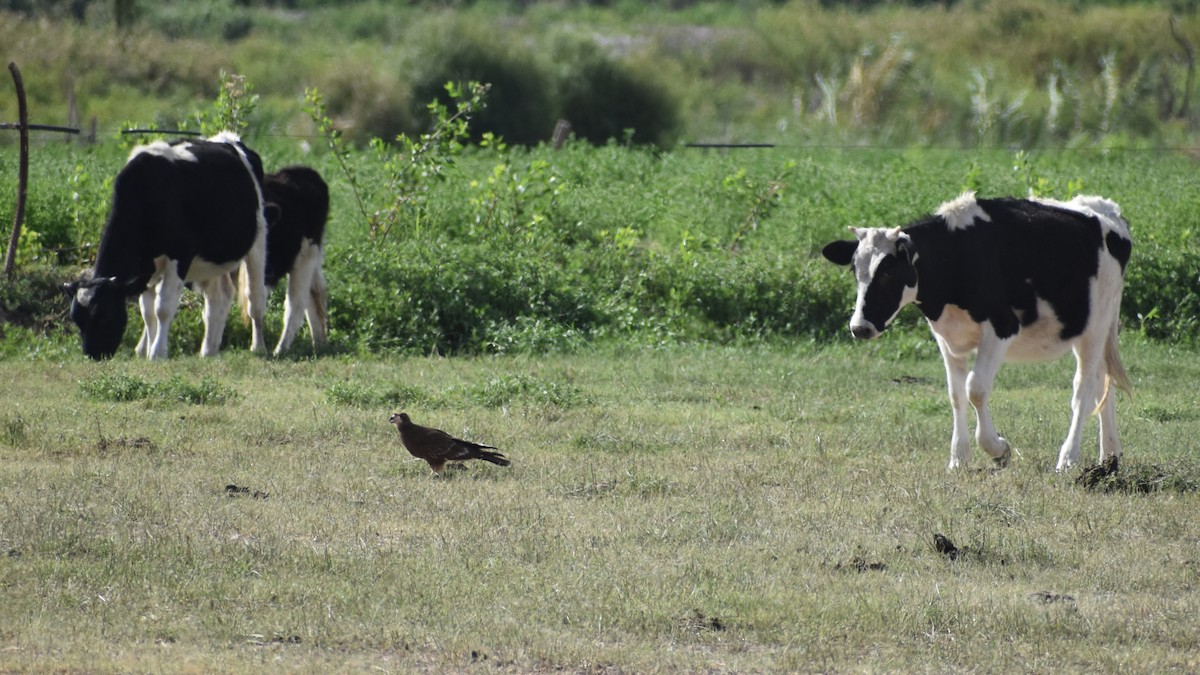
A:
(1115, 378)
(252, 288)
(989, 357)
(956, 384)
(299, 294)
(1088, 386)
(318, 309)
(218, 297)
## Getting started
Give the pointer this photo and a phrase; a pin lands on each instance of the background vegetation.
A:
(966, 73)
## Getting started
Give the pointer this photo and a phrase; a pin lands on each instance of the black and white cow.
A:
(190, 211)
(1010, 280)
(297, 209)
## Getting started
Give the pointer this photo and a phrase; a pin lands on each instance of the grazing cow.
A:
(297, 208)
(1008, 279)
(186, 212)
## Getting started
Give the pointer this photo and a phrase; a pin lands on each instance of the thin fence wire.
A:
(102, 135)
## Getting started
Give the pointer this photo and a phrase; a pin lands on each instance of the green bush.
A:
(603, 100)
(520, 104)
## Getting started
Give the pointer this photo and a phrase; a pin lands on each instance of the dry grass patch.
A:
(699, 509)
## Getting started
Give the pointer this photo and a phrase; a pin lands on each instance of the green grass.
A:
(708, 508)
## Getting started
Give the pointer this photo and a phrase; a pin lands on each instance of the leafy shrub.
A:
(1152, 270)
(603, 100)
(34, 299)
(367, 104)
(202, 18)
(520, 105)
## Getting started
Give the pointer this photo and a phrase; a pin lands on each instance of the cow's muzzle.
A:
(864, 331)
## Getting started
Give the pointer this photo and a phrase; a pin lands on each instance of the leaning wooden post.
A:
(10, 257)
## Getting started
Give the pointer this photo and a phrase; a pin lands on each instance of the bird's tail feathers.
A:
(494, 458)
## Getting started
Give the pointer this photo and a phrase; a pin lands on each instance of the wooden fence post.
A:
(10, 257)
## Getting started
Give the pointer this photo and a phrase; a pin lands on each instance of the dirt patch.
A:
(698, 622)
(911, 379)
(242, 491)
(859, 564)
(1095, 476)
(1049, 598)
(1181, 476)
(139, 443)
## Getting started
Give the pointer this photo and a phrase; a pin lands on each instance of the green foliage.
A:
(332, 135)
(537, 250)
(518, 202)
(223, 20)
(520, 104)
(994, 73)
(233, 109)
(605, 100)
(763, 199)
(413, 165)
(33, 299)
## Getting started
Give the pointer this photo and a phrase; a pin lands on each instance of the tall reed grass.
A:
(986, 73)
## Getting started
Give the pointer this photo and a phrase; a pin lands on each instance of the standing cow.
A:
(190, 211)
(1010, 280)
(297, 208)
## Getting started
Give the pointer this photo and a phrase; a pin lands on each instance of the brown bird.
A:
(438, 447)
(946, 547)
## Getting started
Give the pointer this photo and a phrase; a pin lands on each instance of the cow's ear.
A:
(905, 249)
(272, 212)
(840, 252)
(70, 288)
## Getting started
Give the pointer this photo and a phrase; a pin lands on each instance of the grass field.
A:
(703, 509)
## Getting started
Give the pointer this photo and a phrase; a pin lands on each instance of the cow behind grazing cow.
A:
(190, 211)
(1008, 279)
(297, 208)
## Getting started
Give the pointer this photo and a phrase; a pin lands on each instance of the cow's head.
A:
(98, 308)
(884, 266)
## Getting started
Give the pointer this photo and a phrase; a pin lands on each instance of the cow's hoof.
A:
(1001, 462)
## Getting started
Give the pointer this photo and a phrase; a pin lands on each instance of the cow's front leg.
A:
(988, 359)
(149, 322)
(218, 296)
(956, 384)
(165, 305)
